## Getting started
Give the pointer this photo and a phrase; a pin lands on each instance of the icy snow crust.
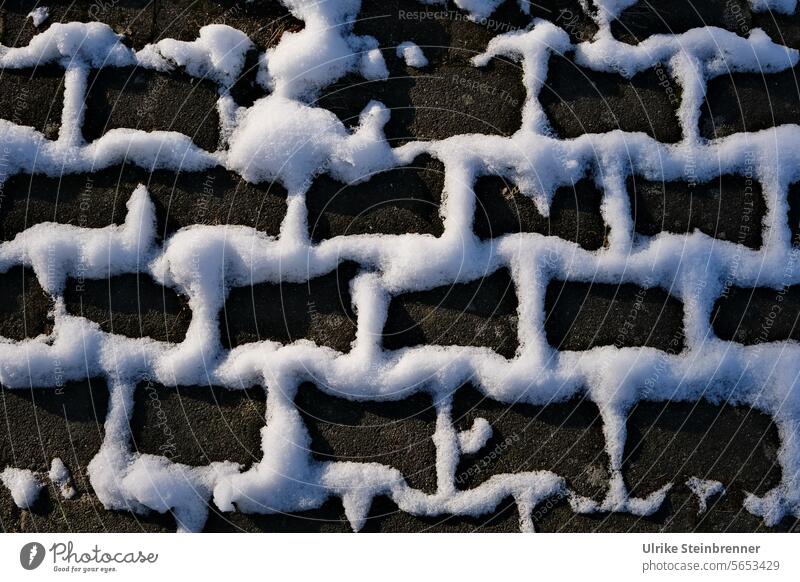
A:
(282, 137)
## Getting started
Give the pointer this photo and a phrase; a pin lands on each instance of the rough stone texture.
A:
(648, 17)
(198, 425)
(33, 97)
(750, 102)
(480, 313)
(565, 438)
(794, 212)
(500, 208)
(181, 199)
(24, 309)
(136, 98)
(754, 316)
(134, 19)
(398, 434)
(580, 316)
(398, 201)
(730, 208)
(320, 310)
(782, 28)
(132, 305)
(578, 101)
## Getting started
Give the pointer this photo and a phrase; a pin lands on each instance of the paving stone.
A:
(329, 518)
(479, 313)
(33, 97)
(198, 425)
(401, 200)
(133, 305)
(750, 102)
(132, 18)
(136, 98)
(398, 434)
(580, 316)
(648, 17)
(25, 306)
(578, 101)
(759, 315)
(565, 438)
(320, 310)
(729, 208)
(181, 199)
(44, 423)
(574, 212)
(793, 197)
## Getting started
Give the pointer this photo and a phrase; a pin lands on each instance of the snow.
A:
(284, 137)
(23, 484)
(704, 489)
(412, 54)
(59, 475)
(39, 15)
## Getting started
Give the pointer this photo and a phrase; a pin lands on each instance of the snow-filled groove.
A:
(283, 138)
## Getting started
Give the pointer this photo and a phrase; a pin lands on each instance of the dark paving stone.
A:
(136, 98)
(182, 199)
(320, 310)
(132, 305)
(329, 518)
(479, 313)
(574, 212)
(40, 424)
(750, 102)
(578, 101)
(794, 212)
(754, 316)
(398, 434)
(385, 517)
(198, 425)
(782, 28)
(25, 306)
(728, 208)
(565, 438)
(132, 18)
(33, 97)
(648, 17)
(401, 200)
(580, 316)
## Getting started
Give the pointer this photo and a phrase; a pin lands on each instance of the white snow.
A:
(412, 54)
(23, 484)
(704, 489)
(286, 138)
(61, 478)
(39, 15)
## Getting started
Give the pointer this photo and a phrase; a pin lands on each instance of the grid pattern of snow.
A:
(283, 138)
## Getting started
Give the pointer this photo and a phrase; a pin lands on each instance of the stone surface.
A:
(33, 97)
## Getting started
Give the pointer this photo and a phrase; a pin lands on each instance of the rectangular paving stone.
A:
(398, 434)
(33, 98)
(198, 425)
(136, 98)
(580, 316)
(398, 201)
(319, 310)
(648, 17)
(578, 100)
(565, 438)
(673, 441)
(754, 316)
(132, 18)
(133, 305)
(43, 423)
(728, 208)
(479, 313)
(25, 306)
(574, 212)
(749, 102)
(181, 199)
